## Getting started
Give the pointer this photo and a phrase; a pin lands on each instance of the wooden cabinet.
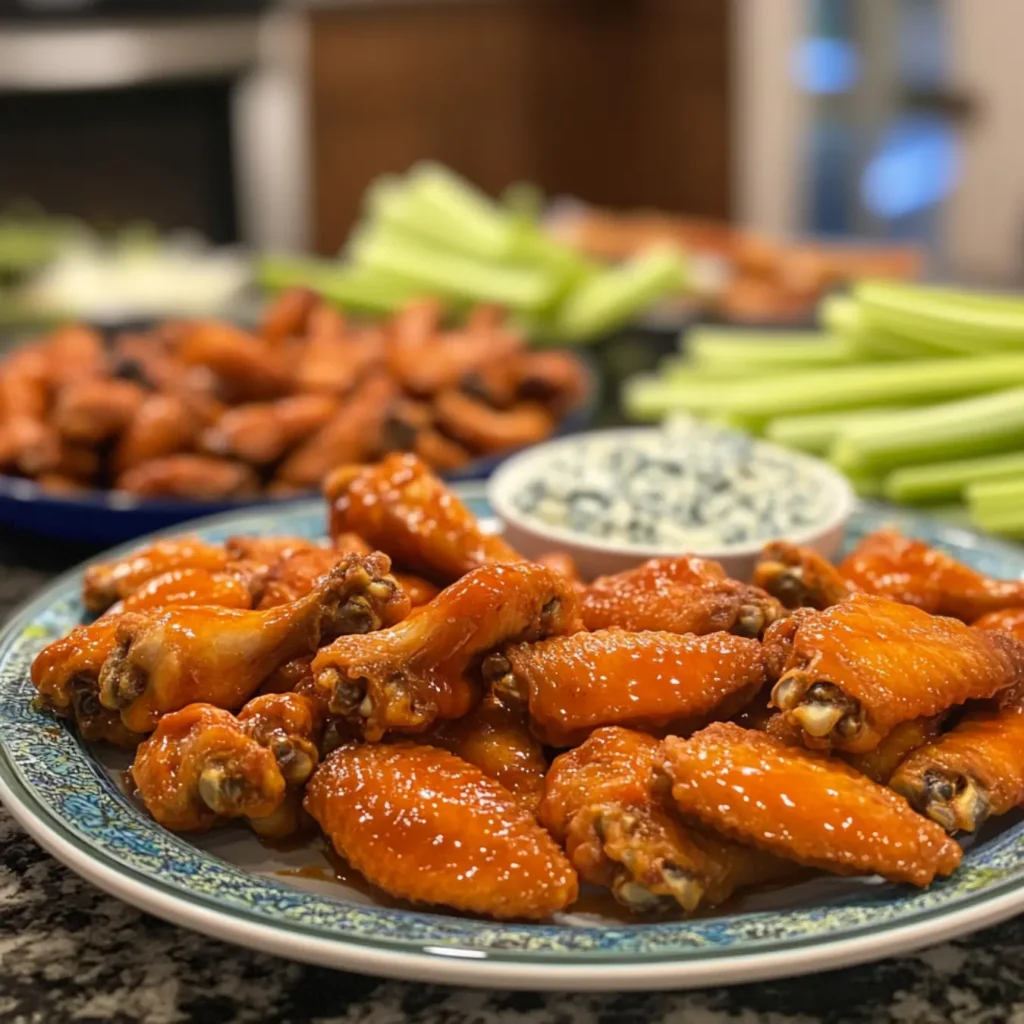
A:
(621, 102)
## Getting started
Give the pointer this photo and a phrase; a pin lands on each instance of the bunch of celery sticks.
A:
(430, 233)
(916, 393)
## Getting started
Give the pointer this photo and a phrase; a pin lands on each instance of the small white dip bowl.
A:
(555, 467)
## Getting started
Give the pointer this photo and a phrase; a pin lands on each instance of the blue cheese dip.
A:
(686, 486)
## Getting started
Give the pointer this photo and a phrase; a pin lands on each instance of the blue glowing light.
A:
(825, 66)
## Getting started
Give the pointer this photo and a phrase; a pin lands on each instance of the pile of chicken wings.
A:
(207, 410)
(474, 730)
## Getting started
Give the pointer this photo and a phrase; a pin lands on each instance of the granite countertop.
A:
(68, 952)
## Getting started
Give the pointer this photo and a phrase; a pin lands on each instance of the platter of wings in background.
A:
(497, 773)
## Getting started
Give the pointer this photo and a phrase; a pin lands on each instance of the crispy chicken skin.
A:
(573, 684)
(497, 739)
(858, 669)
(484, 429)
(203, 764)
(1009, 620)
(908, 570)
(970, 774)
(426, 826)
(802, 806)
(400, 506)
(601, 803)
(97, 409)
(189, 586)
(421, 670)
(880, 764)
(107, 582)
(162, 425)
(678, 595)
(165, 660)
(247, 367)
(799, 577)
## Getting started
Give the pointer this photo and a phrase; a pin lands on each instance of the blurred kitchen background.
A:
(263, 123)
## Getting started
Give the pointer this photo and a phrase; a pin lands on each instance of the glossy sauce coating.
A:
(908, 570)
(79, 655)
(576, 683)
(802, 806)
(108, 582)
(400, 506)
(418, 671)
(188, 586)
(427, 826)
(678, 595)
(601, 802)
(799, 576)
(497, 739)
(1010, 620)
(900, 662)
(987, 748)
(880, 764)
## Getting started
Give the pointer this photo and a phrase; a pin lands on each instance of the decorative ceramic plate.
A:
(292, 903)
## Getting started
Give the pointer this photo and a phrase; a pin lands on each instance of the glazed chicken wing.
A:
(880, 764)
(107, 582)
(799, 577)
(678, 595)
(803, 806)
(858, 669)
(573, 684)
(162, 425)
(426, 826)
(484, 429)
(1009, 620)
(203, 764)
(497, 739)
(168, 659)
(189, 476)
(66, 674)
(189, 586)
(247, 367)
(972, 773)
(600, 803)
(401, 507)
(903, 569)
(421, 670)
(27, 440)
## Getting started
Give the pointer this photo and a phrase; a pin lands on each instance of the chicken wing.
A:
(972, 773)
(908, 570)
(799, 577)
(556, 379)
(107, 582)
(880, 764)
(573, 684)
(66, 674)
(401, 507)
(197, 477)
(483, 429)
(286, 316)
(247, 367)
(189, 586)
(168, 659)
(351, 435)
(858, 669)
(74, 353)
(27, 440)
(96, 410)
(802, 806)
(678, 595)
(203, 764)
(162, 425)
(601, 803)
(1010, 620)
(261, 432)
(426, 826)
(497, 739)
(421, 670)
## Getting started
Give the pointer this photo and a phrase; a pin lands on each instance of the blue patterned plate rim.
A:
(64, 798)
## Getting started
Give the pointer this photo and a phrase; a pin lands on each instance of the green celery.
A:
(947, 481)
(648, 397)
(449, 273)
(739, 350)
(817, 432)
(981, 425)
(611, 298)
(1005, 493)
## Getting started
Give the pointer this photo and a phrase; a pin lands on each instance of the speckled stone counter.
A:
(68, 952)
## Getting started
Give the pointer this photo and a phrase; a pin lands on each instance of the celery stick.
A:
(716, 346)
(648, 397)
(393, 204)
(449, 273)
(350, 287)
(817, 432)
(681, 368)
(946, 481)
(981, 425)
(472, 215)
(1007, 492)
(839, 315)
(867, 485)
(611, 298)
(972, 325)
